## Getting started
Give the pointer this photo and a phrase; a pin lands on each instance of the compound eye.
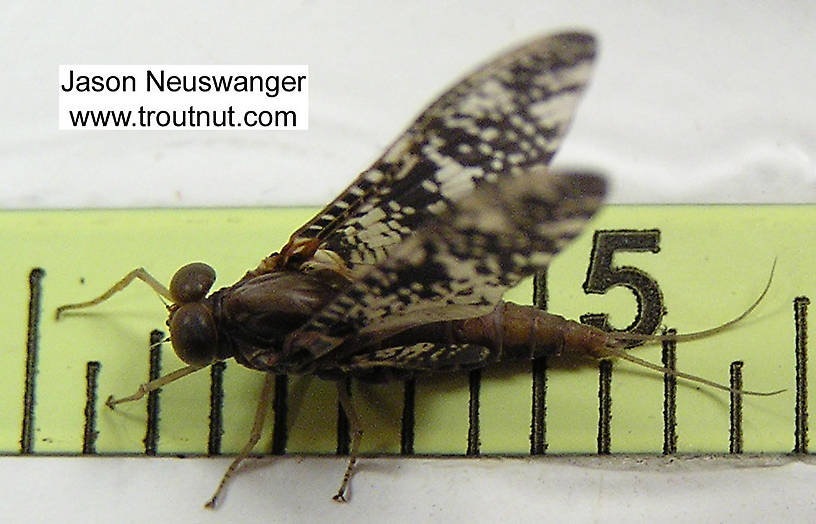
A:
(192, 282)
(193, 334)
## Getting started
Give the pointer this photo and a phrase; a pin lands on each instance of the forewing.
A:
(459, 264)
(507, 116)
(423, 357)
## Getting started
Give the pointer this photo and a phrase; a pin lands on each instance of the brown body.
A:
(255, 316)
(457, 210)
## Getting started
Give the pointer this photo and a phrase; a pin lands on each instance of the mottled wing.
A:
(458, 264)
(499, 121)
(424, 356)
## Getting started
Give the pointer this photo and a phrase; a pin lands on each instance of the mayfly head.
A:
(193, 330)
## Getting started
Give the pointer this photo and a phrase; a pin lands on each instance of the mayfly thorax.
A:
(404, 272)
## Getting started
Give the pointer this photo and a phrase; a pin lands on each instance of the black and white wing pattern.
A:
(458, 264)
(504, 118)
(460, 207)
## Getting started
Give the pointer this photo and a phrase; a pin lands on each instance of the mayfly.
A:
(404, 272)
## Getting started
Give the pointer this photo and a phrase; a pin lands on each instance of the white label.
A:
(183, 97)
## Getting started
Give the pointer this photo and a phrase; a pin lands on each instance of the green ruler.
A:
(708, 262)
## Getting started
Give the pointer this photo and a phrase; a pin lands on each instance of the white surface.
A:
(687, 104)
(489, 490)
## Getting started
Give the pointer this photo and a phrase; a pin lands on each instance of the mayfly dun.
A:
(404, 272)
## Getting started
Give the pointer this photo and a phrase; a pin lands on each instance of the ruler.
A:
(709, 263)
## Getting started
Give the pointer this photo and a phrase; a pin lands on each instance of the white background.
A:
(688, 104)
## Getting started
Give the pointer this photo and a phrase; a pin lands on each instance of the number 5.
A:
(602, 276)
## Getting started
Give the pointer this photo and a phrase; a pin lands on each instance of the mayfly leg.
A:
(254, 437)
(356, 436)
(153, 385)
(139, 273)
